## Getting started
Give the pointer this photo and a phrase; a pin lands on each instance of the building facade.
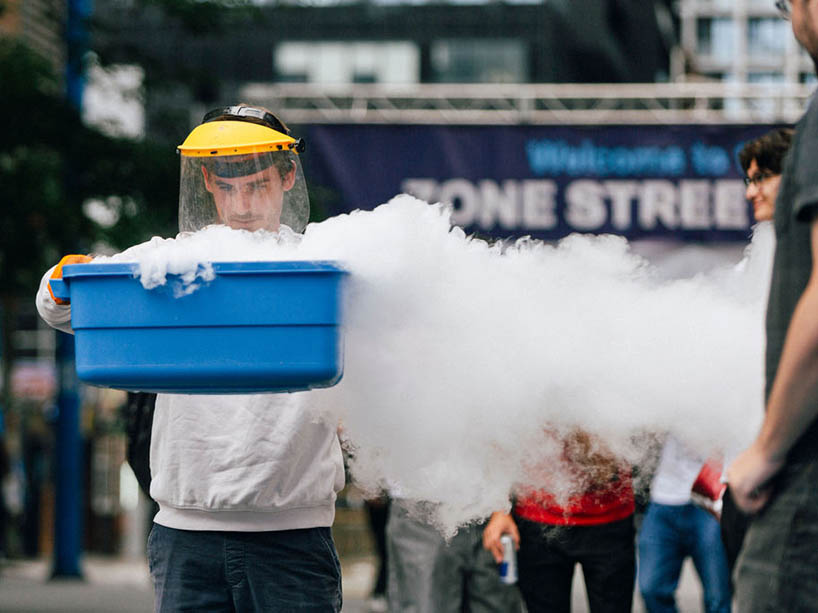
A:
(744, 41)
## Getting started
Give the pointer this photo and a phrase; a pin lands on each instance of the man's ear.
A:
(288, 180)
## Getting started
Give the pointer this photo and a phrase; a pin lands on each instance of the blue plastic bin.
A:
(257, 327)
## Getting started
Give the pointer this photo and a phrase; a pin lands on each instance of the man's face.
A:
(762, 191)
(252, 202)
(805, 26)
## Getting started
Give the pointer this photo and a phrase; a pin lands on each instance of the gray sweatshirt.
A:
(250, 462)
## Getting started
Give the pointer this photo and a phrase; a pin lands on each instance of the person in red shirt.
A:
(592, 526)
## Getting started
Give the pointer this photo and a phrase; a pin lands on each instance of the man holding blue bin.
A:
(246, 484)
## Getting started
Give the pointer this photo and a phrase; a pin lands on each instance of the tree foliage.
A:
(50, 166)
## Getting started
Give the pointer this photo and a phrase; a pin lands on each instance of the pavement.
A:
(108, 584)
(122, 585)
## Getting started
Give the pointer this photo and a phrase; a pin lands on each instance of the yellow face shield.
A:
(241, 168)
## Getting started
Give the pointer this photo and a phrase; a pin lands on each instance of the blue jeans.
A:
(668, 535)
(288, 570)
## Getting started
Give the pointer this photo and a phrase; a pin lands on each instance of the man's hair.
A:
(284, 161)
(241, 166)
(768, 150)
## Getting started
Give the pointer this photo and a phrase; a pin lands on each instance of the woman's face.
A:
(762, 191)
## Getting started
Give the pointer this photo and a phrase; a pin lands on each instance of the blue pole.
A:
(76, 38)
(68, 471)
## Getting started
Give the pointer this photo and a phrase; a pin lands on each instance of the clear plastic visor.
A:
(253, 191)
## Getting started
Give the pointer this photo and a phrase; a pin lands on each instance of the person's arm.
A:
(500, 523)
(793, 402)
(56, 312)
(55, 315)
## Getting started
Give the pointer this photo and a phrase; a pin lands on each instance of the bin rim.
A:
(131, 269)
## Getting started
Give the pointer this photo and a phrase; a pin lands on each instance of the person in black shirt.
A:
(776, 478)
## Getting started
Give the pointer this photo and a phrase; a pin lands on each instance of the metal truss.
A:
(592, 104)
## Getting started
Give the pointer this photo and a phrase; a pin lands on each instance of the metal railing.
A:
(625, 103)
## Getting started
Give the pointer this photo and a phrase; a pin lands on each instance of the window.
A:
(479, 61)
(767, 36)
(348, 62)
(714, 37)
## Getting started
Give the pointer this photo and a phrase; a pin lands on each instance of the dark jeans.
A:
(668, 535)
(378, 511)
(548, 554)
(777, 569)
(288, 570)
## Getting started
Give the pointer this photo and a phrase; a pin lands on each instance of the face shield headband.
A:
(252, 115)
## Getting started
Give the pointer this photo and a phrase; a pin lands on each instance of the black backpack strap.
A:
(138, 424)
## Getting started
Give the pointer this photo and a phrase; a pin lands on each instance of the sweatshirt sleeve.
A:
(55, 315)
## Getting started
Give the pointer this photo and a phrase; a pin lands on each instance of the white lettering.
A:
(531, 205)
(423, 189)
(694, 199)
(622, 194)
(658, 204)
(498, 206)
(465, 201)
(585, 205)
(539, 205)
(730, 205)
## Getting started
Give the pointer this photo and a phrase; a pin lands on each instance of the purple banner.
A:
(545, 181)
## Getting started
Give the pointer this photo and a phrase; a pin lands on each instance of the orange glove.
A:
(57, 274)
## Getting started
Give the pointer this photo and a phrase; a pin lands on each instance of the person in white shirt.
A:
(246, 484)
